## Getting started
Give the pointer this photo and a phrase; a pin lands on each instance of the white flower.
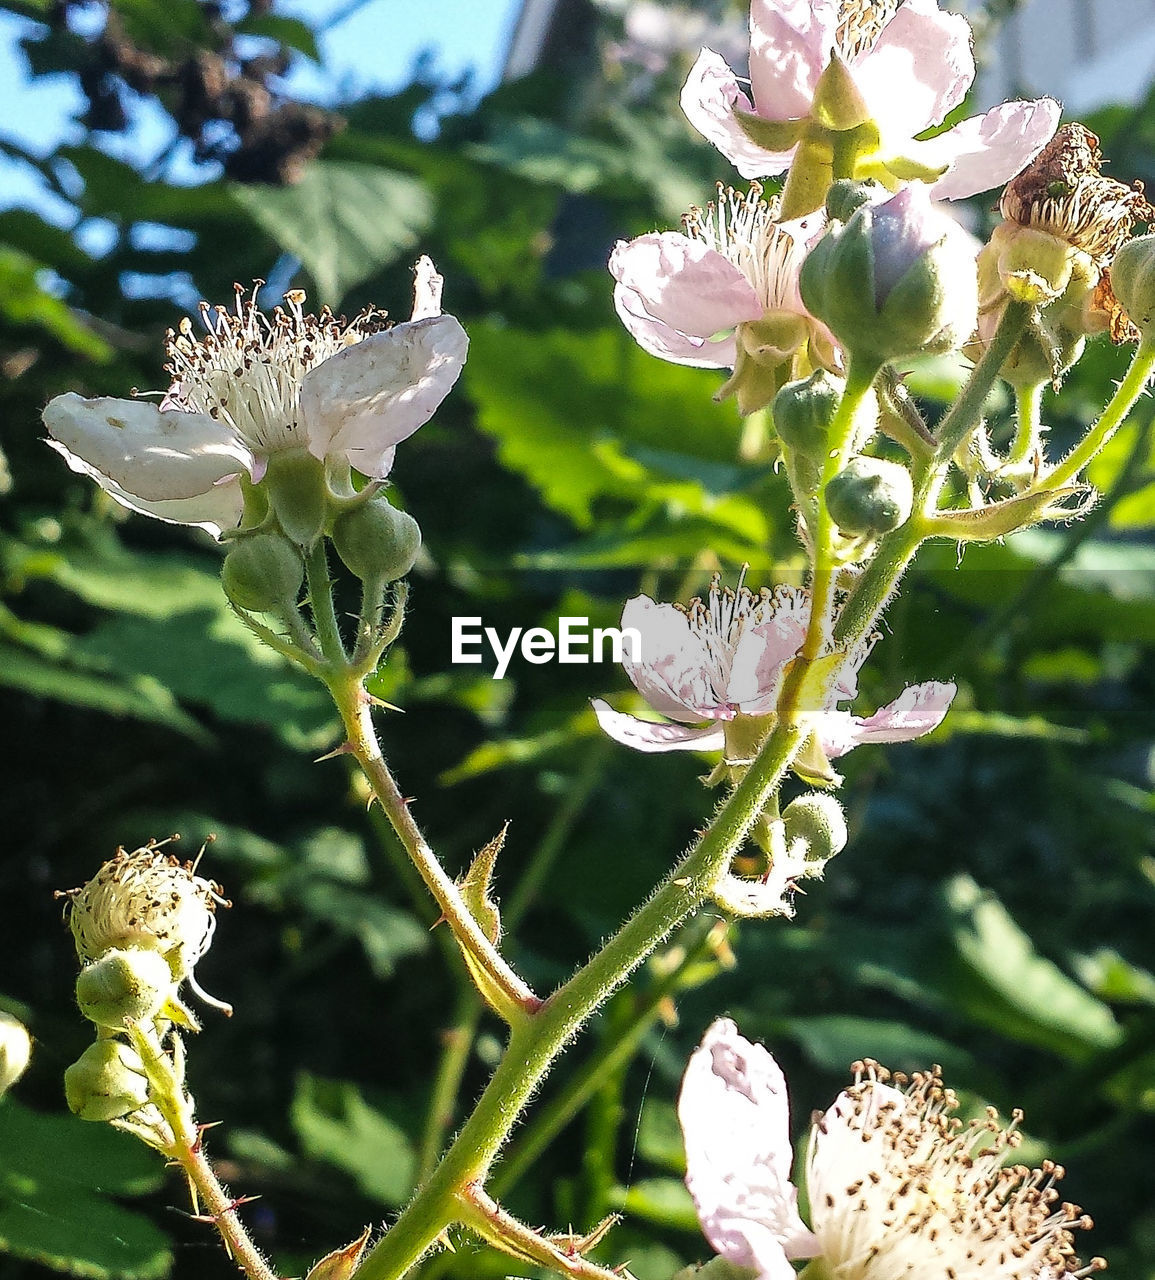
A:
(706, 665)
(147, 899)
(255, 385)
(898, 1188)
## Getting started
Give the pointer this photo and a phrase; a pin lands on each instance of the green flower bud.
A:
(896, 280)
(847, 195)
(298, 493)
(377, 542)
(15, 1050)
(1133, 279)
(262, 573)
(124, 986)
(870, 496)
(803, 411)
(106, 1082)
(817, 820)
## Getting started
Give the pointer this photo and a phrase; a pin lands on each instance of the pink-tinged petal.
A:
(929, 54)
(217, 509)
(666, 343)
(685, 284)
(919, 709)
(764, 649)
(709, 97)
(988, 150)
(735, 1118)
(649, 736)
(790, 43)
(673, 669)
(372, 395)
(841, 1153)
(146, 453)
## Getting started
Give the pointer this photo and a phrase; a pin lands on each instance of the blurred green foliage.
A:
(992, 912)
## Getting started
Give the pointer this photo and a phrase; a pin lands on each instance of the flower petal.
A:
(674, 667)
(649, 736)
(790, 43)
(929, 54)
(842, 1144)
(146, 453)
(764, 649)
(377, 392)
(916, 711)
(709, 96)
(685, 284)
(986, 151)
(217, 509)
(735, 1118)
(666, 343)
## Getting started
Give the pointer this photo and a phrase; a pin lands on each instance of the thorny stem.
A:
(537, 1040)
(212, 1201)
(354, 705)
(1028, 402)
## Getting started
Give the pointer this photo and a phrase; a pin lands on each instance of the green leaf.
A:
(343, 221)
(660, 1136)
(662, 1201)
(334, 1123)
(55, 1172)
(291, 32)
(834, 1041)
(23, 301)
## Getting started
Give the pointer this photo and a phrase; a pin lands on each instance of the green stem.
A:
(1029, 402)
(321, 604)
(1112, 417)
(213, 1202)
(514, 996)
(537, 1040)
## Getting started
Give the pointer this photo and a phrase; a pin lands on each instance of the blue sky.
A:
(371, 47)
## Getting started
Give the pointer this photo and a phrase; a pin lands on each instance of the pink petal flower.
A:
(763, 651)
(926, 52)
(790, 42)
(674, 670)
(651, 736)
(988, 150)
(667, 343)
(735, 1118)
(918, 710)
(709, 98)
(375, 393)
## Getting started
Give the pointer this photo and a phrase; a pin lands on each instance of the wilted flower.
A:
(909, 64)
(150, 900)
(897, 1186)
(709, 664)
(726, 284)
(255, 386)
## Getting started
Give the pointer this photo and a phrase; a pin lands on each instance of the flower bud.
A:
(124, 986)
(377, 542)
(15, 1050)
(897, 279)
(870, 496)
(847, 195)
(1133, 279)
(106, 1082)
(818, 821)
(803, 411)
(295, 482)
(262, 573)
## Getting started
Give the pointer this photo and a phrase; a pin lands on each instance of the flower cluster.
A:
(897, 1186)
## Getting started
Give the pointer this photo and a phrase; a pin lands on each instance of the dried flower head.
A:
(1063, 192)
(149, 899)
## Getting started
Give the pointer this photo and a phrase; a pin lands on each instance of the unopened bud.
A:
(262, 573)
(818, 821)
(106, 1082)
(847, 195)
(298, 493)
(803, 411)
(124, 986)
(377, 542)
(15, 1050)
(1133, 279)
(870, 496)
(896, 280)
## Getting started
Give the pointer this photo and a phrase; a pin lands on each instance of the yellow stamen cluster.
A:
(900, 1186)
(247, 368)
